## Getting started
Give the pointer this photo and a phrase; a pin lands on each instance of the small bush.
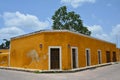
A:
(37, 72)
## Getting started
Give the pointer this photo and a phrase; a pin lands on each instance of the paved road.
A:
(111, 72)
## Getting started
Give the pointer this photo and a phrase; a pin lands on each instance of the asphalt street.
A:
(111, 72)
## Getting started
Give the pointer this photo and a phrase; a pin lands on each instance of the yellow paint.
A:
(4, 50)
(40, 42)
(118, 54)
(4, 57)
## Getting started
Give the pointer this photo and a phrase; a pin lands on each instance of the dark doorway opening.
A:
(54, 58)
(88, 57)
(108, 59)
(114, 57)
(99, 57)
(74, 58)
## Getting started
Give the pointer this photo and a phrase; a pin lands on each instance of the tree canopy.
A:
(5, 45)
(63, 20)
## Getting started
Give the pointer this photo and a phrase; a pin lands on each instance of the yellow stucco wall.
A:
(4, 57)
(4, 50)
(20, 48)
(118, 54)
(26, 51)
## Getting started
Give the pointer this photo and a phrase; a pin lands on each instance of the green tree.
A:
(69, 21)
(2, 46)
(5, 45)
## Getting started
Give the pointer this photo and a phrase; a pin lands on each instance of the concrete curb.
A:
(57, 71)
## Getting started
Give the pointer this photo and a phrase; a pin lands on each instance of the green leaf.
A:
(68, 20)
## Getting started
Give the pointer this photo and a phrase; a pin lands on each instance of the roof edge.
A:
(41, 31)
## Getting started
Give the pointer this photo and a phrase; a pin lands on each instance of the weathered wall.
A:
(4, 57)
(94, 45)
(118, 54)
(26, 51)
(56, 39)
(4, 50)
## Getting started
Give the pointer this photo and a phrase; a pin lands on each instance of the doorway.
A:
(74, 57)
(99, 57)
(108, 56)
(55, 58)
(88, 57)
(114, 57)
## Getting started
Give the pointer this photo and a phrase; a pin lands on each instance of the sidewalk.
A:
(111, 72)
(57, 71)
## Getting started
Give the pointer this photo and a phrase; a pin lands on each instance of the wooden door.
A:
(88, 57)
(114, 57)
(54, 58)
(108, 59)
(74, 58)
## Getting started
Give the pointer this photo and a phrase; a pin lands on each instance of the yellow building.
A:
(59, 50)
(4, 57)
(118, 54)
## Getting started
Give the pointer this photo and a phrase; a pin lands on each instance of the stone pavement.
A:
(111, 72)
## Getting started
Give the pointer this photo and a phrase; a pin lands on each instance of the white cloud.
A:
(116, 34)
(24, 21)
(16, 23)
(116, 30)
(76, 3)
(113, 36)
(104, 36)
(97, 31)
(6, 33)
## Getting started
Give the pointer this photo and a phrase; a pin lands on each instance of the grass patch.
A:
(37, 72)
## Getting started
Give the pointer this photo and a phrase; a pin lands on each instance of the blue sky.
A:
(18, 17)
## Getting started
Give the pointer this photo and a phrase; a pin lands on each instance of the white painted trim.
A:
(89, 56)
(100, 56)
(76, 57)
(60, 55)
